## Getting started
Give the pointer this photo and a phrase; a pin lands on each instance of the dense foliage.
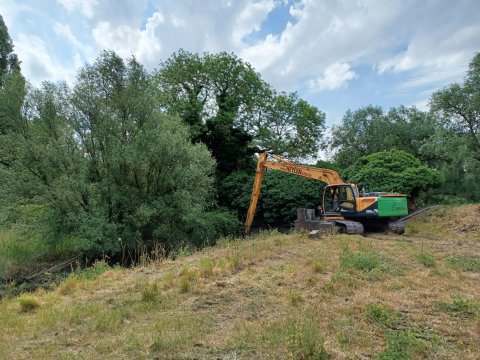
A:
(231, 109)
(393, 170)
(108, 171)
(281, 195)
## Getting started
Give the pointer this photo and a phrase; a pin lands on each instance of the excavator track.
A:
(396, 227)
(350, 227)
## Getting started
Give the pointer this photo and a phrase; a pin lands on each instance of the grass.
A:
(463, 263)
(28, 303)
(403, 344)
(458, 306)
(426, 259)
(273, 296)
(380, 314)
(16, 252)
(94, 271)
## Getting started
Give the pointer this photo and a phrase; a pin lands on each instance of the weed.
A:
(183, 252)
(318, 265)
(464, 263)
(150, 293)
(346, 332)
(305, 340)
(98, 268)
(426, 259)
(400, 345)
(68, 286)
(168, 280)
(459, 307)
(404, 344)
(187, 279)
(359, 260)
(295, 297)
(110, 319)
(234, 260)
(206, 267)
(380, 314)
(28, 303)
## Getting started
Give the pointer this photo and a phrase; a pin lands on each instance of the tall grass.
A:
(15, 252)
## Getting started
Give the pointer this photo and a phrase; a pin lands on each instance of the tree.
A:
(287, 125)
(224, 100)
(109, 171)
(393, 170)
(369, 130)
(460, 105)
(12, 94)
(8, 59)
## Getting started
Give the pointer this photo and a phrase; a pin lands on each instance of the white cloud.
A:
(37, 64)
(250, 19)
(322, 47)
(334, 77)
(64, 31)
(87, 7)
(128, 41)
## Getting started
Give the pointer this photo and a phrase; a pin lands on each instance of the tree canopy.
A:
(369, 130)
(224, 100)
(459, 104)
(393, 170)
(109, 170)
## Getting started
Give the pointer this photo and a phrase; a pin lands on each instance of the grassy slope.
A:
(276, 296)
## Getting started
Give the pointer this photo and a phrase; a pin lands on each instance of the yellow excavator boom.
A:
(328, 176)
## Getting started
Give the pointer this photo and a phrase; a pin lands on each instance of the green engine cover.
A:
(392, 206)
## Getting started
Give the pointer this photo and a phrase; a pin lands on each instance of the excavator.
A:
(343, 205)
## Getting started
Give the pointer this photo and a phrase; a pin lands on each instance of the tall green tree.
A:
(12, 94)
(232, 110)
(369, 129)
(459, 104)
(108, 170)
(8, 59)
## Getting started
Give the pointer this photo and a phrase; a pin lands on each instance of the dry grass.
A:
(275, 296)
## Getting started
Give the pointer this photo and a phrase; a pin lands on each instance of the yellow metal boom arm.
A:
(328, 176)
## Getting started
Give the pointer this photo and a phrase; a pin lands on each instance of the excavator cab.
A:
(340, 200)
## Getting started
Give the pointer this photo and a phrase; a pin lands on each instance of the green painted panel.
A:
(392, 206)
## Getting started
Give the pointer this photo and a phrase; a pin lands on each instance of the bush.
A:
(393, 170)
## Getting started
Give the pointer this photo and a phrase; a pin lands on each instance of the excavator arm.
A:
(328, 176)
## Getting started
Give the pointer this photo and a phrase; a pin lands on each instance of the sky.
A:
(337, 55)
